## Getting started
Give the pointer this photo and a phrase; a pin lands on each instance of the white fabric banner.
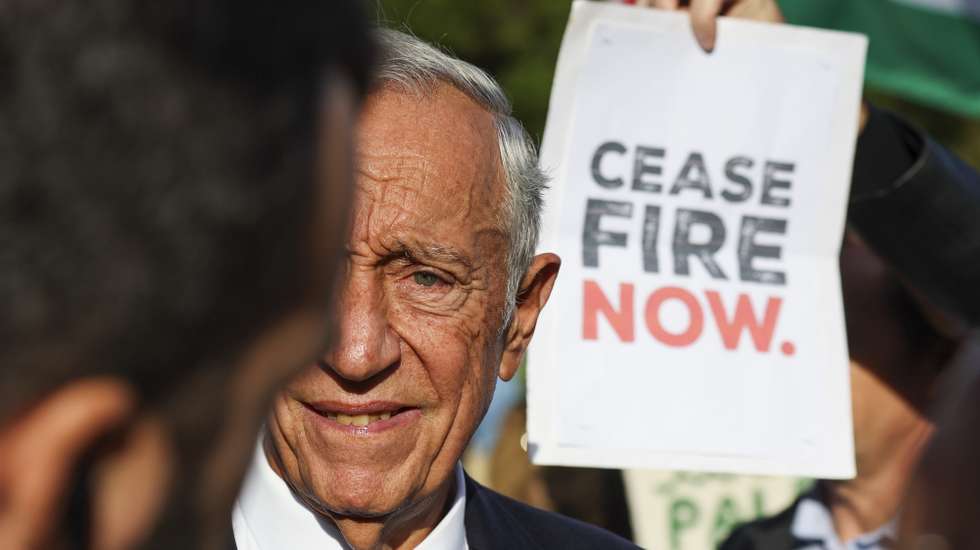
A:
(698, 205)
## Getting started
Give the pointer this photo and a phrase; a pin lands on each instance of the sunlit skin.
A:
(895, 358)
(420, 318)
(940, 512)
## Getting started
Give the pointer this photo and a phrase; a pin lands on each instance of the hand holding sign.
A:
(705, 12)
(697, 322)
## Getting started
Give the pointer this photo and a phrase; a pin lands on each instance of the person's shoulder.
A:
(562, 531)
(546, 529)
(764, 533)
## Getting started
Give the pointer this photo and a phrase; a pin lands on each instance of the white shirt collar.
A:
(814, 523)
(268, 516)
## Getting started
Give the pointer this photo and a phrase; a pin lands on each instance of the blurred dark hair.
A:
(156, 180)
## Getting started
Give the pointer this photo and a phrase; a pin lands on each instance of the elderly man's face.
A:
(382, 422)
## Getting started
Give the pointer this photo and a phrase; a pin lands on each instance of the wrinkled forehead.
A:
(433, 157)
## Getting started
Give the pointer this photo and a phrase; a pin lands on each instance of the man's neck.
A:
(873, 498)
(404, 529)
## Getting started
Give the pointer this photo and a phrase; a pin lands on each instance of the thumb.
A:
(704, 14)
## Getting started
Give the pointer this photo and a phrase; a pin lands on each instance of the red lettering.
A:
(595, 301)
(744, 318)
(695, 316)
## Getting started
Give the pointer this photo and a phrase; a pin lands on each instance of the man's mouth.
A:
(358, 420)
(363, 416)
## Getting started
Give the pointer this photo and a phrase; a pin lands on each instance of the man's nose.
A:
(365, 345)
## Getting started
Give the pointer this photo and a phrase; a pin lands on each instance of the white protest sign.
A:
(698, 205)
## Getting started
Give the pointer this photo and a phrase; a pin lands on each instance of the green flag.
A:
(925, 50)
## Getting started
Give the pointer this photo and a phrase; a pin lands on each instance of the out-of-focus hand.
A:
(704, 12)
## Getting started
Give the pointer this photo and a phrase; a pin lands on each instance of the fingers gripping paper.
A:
(698, 205)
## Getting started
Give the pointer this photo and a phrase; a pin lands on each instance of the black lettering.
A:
(609, 146)
(741, 180)
(770, 181)
(651, 232)
(593, 237)
(693, 175)
(683, 247)
(641, 168)
(748, 250)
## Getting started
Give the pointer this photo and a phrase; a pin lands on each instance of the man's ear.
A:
(40, 450)
(531, 298)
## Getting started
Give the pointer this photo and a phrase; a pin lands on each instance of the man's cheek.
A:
(463, 323)
(473, 326)
(452, 333)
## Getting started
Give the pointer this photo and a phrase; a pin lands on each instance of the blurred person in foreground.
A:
(917, 206)
(941, 509)
(442, 295)
(173, 200)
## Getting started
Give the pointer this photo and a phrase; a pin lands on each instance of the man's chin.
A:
(359, 514)
(357, 511)
(372, 502)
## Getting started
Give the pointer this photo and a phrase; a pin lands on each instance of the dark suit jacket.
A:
(495, 522)
(918, 207)
(765, 534)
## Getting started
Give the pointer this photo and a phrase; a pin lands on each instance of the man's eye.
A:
(425, 278)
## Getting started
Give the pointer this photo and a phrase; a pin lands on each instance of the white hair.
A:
(413, 65)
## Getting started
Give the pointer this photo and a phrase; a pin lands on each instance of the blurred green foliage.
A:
(517, 41)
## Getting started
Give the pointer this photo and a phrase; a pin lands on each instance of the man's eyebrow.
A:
(429, 252)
